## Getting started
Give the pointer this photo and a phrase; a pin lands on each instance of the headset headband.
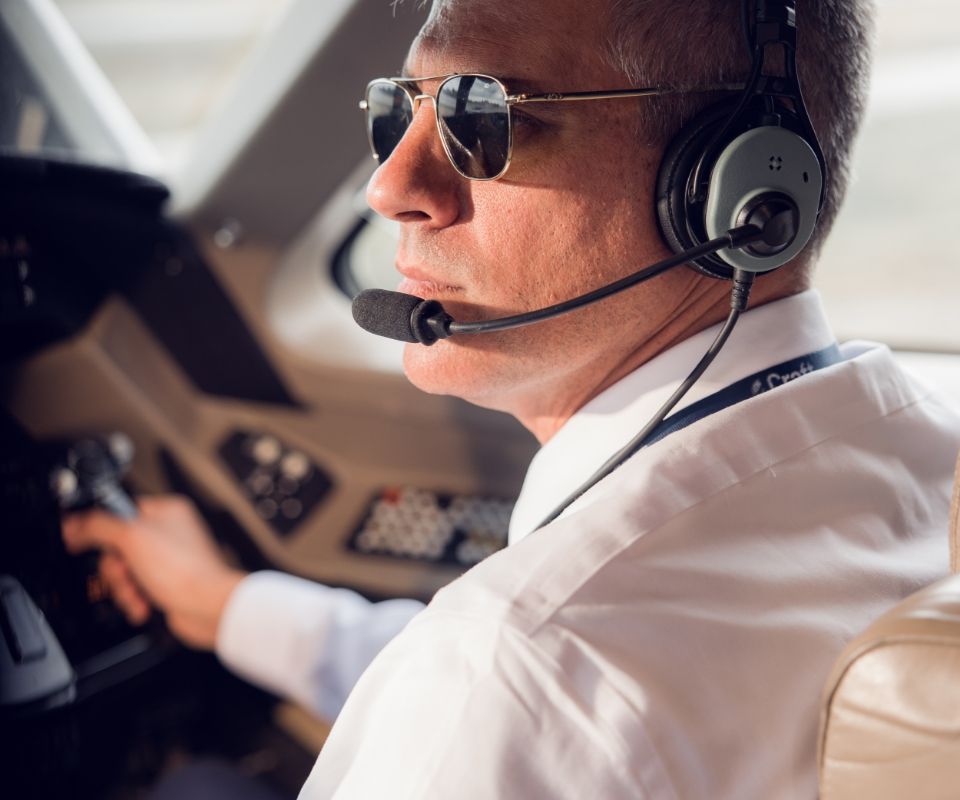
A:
(772, 23)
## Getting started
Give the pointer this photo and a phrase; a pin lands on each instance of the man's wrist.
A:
(197, 624)
(223, 590)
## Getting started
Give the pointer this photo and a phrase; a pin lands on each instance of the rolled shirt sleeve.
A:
(305, 641)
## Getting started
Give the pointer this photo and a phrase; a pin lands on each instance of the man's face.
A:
(573, 212)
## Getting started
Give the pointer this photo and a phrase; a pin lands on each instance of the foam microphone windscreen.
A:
(386, 313)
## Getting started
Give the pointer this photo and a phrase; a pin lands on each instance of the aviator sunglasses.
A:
(473, 116)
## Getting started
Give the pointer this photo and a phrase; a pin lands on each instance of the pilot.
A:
(668, 634)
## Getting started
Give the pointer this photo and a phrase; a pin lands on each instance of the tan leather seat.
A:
(890, 718)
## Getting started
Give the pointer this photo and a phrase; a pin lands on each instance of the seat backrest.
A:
(890, 714)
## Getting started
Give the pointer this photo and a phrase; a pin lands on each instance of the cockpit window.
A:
(28, 122)
(171, 61)
(366, 257)
(889, 271)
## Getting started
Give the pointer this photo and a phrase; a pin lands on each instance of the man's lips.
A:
(426, 289)
(420, 283)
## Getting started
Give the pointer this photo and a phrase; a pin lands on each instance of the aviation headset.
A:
(751, 159)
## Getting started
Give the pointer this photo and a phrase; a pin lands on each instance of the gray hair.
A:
(647, 43)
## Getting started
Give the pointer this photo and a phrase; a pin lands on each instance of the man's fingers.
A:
(113, 570)
(93, 529)
(132, 604)
(123, 589)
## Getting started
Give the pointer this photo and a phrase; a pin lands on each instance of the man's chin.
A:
(429, 368)
(446, 369)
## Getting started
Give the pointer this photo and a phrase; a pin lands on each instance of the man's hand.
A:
(164, 558)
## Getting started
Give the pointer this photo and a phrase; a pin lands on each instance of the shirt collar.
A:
(764, 336)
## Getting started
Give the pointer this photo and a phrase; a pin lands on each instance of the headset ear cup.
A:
(681, 225)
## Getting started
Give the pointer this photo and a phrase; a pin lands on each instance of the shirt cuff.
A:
(303, 640)
(272, 631)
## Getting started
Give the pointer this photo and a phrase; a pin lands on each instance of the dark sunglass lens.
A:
(475, 124)
(389, 114)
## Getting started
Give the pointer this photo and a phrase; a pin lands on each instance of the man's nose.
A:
(417, 183)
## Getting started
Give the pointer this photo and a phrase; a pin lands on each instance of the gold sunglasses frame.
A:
(411, 88)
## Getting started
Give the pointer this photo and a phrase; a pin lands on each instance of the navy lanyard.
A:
(744, 389)
(751, 386)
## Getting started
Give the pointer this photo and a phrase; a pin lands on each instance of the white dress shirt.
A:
(668, 636)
